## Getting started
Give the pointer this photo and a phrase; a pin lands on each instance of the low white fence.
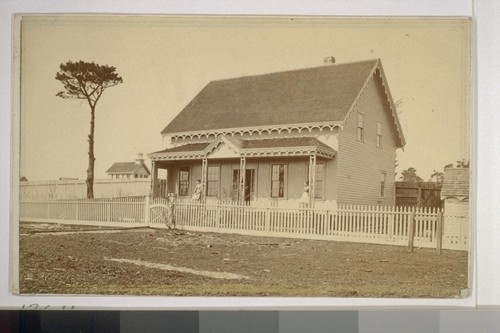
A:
(352, 223)
(100, 212)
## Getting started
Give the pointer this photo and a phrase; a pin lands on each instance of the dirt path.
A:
(215, 275)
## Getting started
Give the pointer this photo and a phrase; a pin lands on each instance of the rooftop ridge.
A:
(375, 61)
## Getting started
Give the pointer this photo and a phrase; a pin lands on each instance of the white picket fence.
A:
(99, 212)
(352, 223)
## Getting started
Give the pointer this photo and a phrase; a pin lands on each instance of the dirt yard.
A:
(57, 259)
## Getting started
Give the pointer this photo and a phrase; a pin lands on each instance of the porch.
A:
(250, 171)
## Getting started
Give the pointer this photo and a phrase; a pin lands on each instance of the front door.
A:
(249, 184)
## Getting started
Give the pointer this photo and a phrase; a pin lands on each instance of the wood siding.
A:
(296, 174)
(360, 163)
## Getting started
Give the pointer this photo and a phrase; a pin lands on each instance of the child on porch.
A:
(197, 190)
(304, 199)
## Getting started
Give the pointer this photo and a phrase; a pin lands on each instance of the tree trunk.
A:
(90, 170)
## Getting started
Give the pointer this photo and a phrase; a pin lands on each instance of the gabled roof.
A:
(313, 95)
(297, 146)
(127, 168)
(455, 183)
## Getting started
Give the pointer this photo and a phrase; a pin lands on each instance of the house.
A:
(455, 191)
(261, 137)
(137, 169)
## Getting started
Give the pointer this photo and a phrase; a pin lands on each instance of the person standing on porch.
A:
(304, 199)
(197, 191)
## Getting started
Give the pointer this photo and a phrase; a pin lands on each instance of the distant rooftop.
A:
(456, 183)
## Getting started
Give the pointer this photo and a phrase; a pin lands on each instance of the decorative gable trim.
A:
(287, 128)
(288, 151)
(378, 70)
(394, 113)
(235, 145)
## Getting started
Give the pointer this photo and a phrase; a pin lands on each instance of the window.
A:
(382, 183)
(278, 181)
(319, 180)
(184, 181)
(213, 181)
(379, 134)
(361, 129)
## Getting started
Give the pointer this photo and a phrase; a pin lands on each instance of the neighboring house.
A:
(261, 137)
(137, 169)
(455, 191)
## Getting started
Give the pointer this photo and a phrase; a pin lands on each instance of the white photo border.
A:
(486, 293)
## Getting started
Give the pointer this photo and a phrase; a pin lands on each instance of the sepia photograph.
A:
(244, 156)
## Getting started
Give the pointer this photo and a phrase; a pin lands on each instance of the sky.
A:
(166, 61)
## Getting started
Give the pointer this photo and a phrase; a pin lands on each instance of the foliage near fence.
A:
(351, 223)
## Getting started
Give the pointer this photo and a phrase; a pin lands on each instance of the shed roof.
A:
(311, 95)
(455, 183)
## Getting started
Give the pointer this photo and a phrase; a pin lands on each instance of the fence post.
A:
(218, 207)
(108, 210)
(439, 227)
(411, 231)
(268, 219)
(391, 211)
(147, 210)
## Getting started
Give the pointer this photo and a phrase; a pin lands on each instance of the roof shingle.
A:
(126, 167)
(455, 183)
(318, 94)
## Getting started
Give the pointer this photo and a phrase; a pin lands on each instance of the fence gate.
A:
(160, 213)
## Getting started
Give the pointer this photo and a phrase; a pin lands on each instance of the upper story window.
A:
(213, 176)
(379, 134)
(361, 128)
(278, 181)
(184, 181)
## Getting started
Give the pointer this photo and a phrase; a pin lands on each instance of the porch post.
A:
(312, 179)
(154, 179)
(242, 178)
(204, 171)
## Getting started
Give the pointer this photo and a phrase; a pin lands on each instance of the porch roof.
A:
(297, 146)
